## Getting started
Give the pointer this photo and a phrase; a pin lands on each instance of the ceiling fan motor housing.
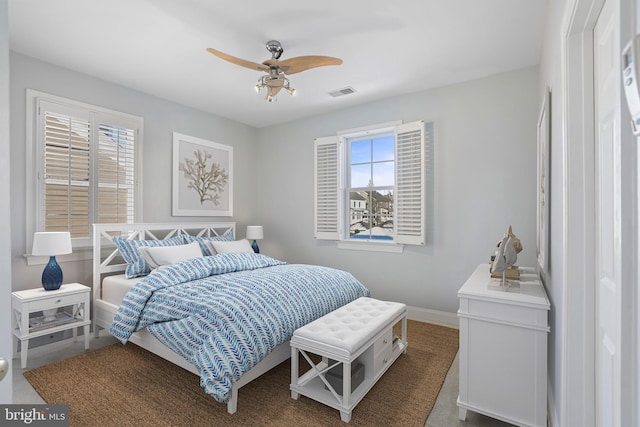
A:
(275, 48)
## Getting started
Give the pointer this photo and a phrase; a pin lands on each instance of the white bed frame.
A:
(106, 261)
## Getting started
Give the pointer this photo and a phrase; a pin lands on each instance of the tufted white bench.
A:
(359, 333)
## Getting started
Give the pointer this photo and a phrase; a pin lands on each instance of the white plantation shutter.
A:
(66, 173)
(410, 183)
(327, 182)
(116, 174)
(87, 168)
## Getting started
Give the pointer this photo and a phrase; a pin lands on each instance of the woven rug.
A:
(128, 386)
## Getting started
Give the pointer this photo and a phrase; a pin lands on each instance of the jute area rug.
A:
(128, 386)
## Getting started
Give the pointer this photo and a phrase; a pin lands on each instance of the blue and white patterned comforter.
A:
(225, 313)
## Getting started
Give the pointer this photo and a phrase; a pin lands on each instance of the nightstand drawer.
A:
(58, 301)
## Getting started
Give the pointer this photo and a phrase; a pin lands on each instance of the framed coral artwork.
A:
(544, 140)
(202, 177)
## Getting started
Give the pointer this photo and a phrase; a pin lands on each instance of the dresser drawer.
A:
(504, 312)
(59, 301)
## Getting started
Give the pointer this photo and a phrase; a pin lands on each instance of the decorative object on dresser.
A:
(357, 334)
(503, 348)
(503, 262)
(69, 306)
(51, 243)
(255, 232)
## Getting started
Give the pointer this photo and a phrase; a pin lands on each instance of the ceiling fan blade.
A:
(302, 63)
(238, 61)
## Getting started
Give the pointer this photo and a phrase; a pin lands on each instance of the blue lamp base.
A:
(52, 275)
(255, 247)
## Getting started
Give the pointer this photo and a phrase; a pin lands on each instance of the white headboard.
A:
(106, 259)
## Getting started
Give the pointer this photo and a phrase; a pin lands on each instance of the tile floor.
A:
(444, 414)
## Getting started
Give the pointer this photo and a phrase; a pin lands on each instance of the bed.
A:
(245, 305)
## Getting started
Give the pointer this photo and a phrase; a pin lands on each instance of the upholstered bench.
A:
(359, 336)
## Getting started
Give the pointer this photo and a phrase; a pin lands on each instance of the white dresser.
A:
(503, 348)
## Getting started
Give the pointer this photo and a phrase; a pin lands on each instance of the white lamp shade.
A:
(254, 232)
(50, 243)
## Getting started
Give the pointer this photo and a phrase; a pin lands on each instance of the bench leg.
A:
(404, 333)
(345, 416)
(294, 372)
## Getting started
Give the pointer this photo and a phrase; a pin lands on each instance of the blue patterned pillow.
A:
(136, 265)
(227, 236)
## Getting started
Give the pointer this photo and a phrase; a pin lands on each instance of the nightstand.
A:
(62, 309)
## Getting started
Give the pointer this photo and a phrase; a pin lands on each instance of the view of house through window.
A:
(370, 187)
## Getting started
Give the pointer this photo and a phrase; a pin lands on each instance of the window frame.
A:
(35, 166)
(346, 137)
(331, 196)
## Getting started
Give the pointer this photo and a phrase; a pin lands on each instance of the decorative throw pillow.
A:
(227, 236)
(242, 245)
(136, 265)
(168, 255)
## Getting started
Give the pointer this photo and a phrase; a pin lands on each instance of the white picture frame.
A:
(202, 183)
(542, 181)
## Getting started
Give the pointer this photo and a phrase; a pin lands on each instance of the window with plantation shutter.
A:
(371, 185)
(85, 167)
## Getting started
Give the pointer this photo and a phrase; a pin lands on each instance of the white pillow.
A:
(168, 255)
(221, 247)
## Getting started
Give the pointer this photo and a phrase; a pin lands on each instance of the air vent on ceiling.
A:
(342, 92)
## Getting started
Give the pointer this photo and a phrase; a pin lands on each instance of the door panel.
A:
(608, 204)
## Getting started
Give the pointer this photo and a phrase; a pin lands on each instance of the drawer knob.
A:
(58, 301)
(384, 360)
(384, 341)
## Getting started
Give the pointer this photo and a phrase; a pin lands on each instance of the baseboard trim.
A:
(443, 318)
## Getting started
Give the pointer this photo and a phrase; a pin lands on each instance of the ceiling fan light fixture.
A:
(275, 80)
(273, 83)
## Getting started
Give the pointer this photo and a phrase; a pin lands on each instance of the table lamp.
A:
(255, 232)
(51, 243)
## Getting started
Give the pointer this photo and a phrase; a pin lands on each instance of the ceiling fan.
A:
(277, 71)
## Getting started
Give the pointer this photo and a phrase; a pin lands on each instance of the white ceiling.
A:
(388, 47)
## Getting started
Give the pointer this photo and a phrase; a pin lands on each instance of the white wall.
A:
(161, 118)
(483, 180)
(551, 69)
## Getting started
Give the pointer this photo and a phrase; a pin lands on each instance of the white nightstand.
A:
(71, 306)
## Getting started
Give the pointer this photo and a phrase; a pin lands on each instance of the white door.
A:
(608, 216)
